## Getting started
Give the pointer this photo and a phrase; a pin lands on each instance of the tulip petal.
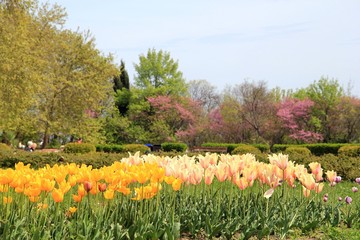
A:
(269, 193)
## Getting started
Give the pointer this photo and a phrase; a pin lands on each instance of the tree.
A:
(295, 117)
(76, 84)
(177, 117)
(24, 31)
(257, 108)
(203, 92)
(158, 74)
(122, 90)
(326, 94)
(347, 125)
(53, 81)
(122, 80)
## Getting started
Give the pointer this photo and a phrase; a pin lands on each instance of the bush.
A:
(350, 151)
(298, 150)
(79, 148)
(243, 149)
(4, 148)
(135, 148)
(232, 146)
(279, 147)
(176, 147)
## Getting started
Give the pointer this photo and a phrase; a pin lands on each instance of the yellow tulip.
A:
(72, 210)
(109, 194)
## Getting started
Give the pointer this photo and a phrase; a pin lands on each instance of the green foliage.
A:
(298, 150)
(231, 146)
(243, 149)
(133, 148)
(4, 147)
(177, 147)
(158, 74)
(79, 148)
(346, 167)
(350, 151)
(317, 149)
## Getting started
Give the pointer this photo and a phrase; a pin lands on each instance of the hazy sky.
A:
(286, 43)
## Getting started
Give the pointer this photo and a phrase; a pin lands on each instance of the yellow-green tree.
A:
(53, 81)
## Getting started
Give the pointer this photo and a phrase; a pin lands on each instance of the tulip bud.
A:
(88, 186)
(338, 179)
(357, 180)
(348, 200)
(102, 187)
(354, 189)
(340, 199)
(325, 199)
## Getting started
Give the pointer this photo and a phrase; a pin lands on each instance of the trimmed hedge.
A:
(298, 150)
(176, 147)
(232, 146)
(243, 149)
(136, 148)
(79, 148)
(350, 151)
(117, 148)
(317, 149)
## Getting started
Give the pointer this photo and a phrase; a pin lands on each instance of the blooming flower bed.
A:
(151, 197)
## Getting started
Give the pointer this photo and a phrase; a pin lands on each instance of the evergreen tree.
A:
(122, 90)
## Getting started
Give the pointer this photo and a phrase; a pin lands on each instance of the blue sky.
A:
(286, 43)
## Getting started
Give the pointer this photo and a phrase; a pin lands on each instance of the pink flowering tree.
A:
(180, 115)
(295, 116)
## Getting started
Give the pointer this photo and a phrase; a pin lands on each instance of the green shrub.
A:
(297, 150)
(324, 148)
(262, 147)
(176, 147)
(279, 147)
(350, 151)
(4, 148)
(135, 148)
(232, 146)
(79, 148)
(243, 149)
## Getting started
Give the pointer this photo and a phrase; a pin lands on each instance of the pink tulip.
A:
(354, 189)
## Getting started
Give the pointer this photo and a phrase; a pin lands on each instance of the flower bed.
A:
(152, 197)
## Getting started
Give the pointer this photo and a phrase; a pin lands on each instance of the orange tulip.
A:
(81, 190)
(57, 195)
(77, 198)
(7, 200)
(47, 185)
(102, 187)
